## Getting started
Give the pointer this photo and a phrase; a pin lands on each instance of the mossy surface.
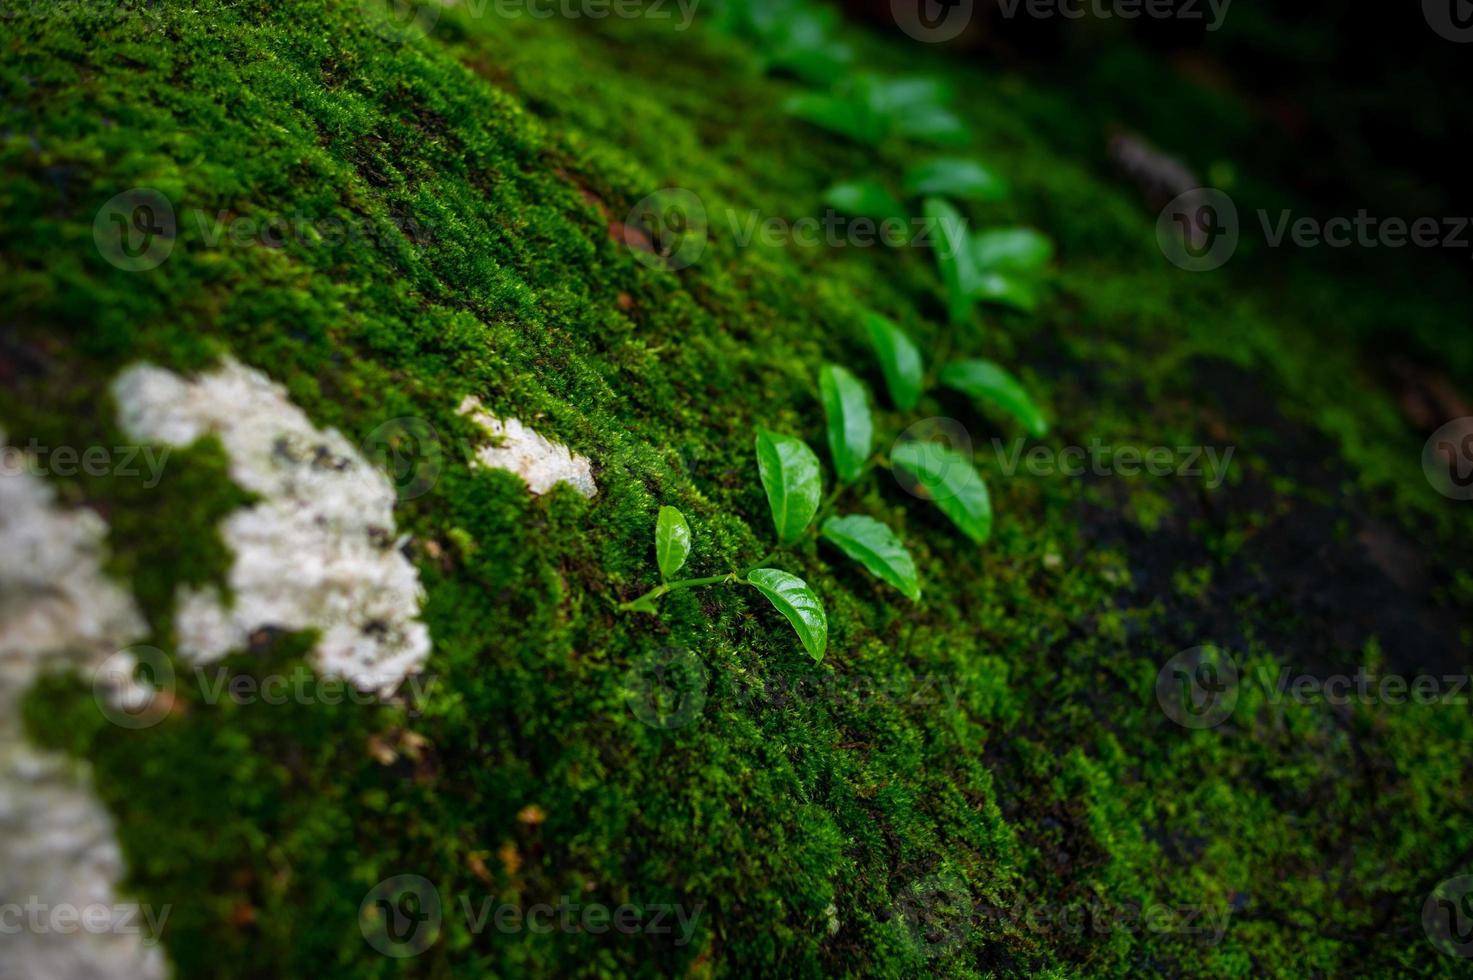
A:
(1002, 733)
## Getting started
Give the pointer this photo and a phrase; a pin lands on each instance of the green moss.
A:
(1005, 731)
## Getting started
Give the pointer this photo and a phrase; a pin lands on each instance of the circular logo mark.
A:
(1198, 230)
(943, 445)
(932, 21)
(400, 20)
(1447, 459)
(1447, 916)
(400, 916)
(1198, 688)
(674, 220)
(407, 450)
(134, 688)
(1451, 19)
(666, 688)
(135, 229)
(935, 914)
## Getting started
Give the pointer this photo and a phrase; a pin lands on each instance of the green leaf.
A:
(866, 199)
(933, 124)
(994, 385)
(790, 475)
(953, 256)
(851, 432)
(799, 41)
(876, 547)
(849, 117)
(954, 177)
(949, 480)
(672, 541)
(916, 107)
(1001, 289)
(899, 360)
(1011, 250)
(795, 600)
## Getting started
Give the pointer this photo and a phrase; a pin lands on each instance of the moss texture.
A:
(1016, 747)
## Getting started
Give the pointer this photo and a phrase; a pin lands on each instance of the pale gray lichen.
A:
(538, 461)
(58, 850)
(318, 550)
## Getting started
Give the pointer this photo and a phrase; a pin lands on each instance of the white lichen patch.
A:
(59, 856)
(538, 461)
(317, 551)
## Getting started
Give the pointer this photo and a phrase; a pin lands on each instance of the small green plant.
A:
(1001, 266)
(795, 37)
(943, 176)
(868, 109)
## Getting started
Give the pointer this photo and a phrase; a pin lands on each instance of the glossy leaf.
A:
(672, 541)
(866, 199)
(1002, 289)
(954, 177)
(795, 600)
(949, 240)
(1011, 250)
(992, 384)
(850, 428)
(916, 107)
(900, 361)
(876, 547)
(790, 475)
(950, 481)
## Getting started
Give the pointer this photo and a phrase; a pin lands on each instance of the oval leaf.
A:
(790, 475)
(864, 199)
(672, 541)
(1015, 250)
(876, 547)
(992, 384)
(949, 240)
(899, 360)
(851, 432)
(949, 479)
(954, 177)
(795, 600)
